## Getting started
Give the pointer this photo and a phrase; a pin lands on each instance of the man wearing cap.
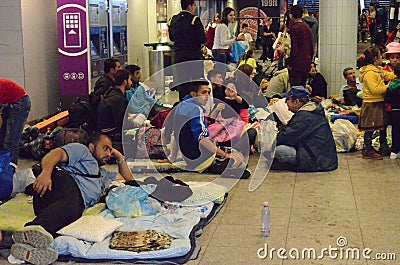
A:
(306, 143)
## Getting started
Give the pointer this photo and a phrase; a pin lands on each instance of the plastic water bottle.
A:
(265, 220)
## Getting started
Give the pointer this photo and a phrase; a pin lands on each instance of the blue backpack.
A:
(6, 175)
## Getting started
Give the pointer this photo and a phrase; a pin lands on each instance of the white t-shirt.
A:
(247, 40)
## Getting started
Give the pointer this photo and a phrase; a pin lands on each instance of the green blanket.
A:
(15, 213)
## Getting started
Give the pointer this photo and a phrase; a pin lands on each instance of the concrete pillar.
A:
(337, 40)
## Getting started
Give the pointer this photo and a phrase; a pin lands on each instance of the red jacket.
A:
(10, 92)
(301, 52)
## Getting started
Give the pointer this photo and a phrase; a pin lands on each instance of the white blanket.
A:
(178, 225)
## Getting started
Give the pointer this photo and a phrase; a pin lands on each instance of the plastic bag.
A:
(130, 201)
(238, 48)
(345, 134)
(6, 175)
(267, 135)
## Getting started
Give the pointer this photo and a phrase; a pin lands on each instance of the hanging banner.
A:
(73, 47)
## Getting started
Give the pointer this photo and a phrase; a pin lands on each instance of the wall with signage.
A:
(253, 11)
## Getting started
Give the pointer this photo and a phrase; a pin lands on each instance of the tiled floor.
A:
(358, 202)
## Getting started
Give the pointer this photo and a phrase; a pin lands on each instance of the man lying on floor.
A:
(305, 143)
(71, 180)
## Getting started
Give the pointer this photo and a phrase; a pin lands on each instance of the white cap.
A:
(265, 203)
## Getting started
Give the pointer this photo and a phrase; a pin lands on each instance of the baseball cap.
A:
(296, 92)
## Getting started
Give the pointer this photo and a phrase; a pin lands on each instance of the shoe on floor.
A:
(384, 150)
(371, 154)
(394, 155)
(37, 256)
(34, 235)
(236, 173)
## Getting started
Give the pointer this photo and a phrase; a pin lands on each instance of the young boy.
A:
(247, 36)
(192, 136)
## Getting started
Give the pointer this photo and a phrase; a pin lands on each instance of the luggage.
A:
(149, 144)
(71, 135)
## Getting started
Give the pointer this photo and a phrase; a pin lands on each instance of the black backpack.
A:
(81, 115)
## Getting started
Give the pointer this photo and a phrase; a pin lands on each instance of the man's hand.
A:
(220, 106)
(1, 120)
(237, 157)
(42, 183)
(232, 94)
(117, 154)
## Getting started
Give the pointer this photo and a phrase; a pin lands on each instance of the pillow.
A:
(94, 228)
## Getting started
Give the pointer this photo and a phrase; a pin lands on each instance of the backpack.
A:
(94, 101)
(81, 115)
(71, 135)
(210, 37)
(149, 144)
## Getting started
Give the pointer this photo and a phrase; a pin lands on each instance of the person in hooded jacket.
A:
(306, 143)
(314, 26)
(373, 110)
(392, 98)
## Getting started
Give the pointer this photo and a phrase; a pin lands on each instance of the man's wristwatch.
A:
(123, 159)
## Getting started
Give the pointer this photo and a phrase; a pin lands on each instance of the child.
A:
(247, 36)
(373, 114)
(229, 113)
(393, 55)
(392, 99)
(248, 58)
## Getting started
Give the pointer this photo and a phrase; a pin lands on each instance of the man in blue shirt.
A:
(191, 135)
(351, 93)
(71, 180)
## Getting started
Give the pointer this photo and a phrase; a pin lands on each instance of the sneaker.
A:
(34, 235)
(37, 256)
(371, 154)
(394, 155)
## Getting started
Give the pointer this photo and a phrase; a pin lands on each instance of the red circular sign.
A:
(248, 15)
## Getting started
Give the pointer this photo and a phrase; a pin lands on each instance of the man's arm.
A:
(210, 146)
(295, 131)
(123, 169)
(49, 161)
(201, 35)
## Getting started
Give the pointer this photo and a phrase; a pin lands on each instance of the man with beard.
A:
(71, 180)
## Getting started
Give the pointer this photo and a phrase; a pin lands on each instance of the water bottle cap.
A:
(265, 203)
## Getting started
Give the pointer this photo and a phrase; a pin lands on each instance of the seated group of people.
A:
(72, 178)
(120, 90)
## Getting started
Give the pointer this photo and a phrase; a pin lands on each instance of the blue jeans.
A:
(14, 119)
(285, 154)
(221, 59)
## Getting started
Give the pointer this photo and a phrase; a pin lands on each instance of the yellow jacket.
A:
(373, 79)
(251, 62)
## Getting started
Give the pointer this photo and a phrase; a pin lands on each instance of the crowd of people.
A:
(211, 124)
